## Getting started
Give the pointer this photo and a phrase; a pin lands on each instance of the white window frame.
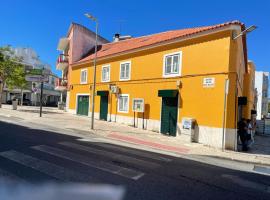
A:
(109, 79)
(118, 103)
(125, 79)
(180, 65)
(86, 77)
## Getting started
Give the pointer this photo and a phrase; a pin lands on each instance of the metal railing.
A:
(62, 58)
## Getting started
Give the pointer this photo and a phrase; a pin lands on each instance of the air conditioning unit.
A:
(114, 89)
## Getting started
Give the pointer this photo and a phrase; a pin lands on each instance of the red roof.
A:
(112, 48)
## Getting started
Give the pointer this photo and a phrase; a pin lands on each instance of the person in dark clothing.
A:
(242, 132)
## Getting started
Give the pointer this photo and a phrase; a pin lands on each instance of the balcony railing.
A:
(62, 62)
(61, 84)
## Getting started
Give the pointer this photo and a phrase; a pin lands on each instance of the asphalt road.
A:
(38, 156)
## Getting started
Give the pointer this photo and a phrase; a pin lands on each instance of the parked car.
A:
(26, 102)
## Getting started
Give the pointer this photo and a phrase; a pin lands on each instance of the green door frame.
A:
(104, 99)
(172, 101)
(81, 108)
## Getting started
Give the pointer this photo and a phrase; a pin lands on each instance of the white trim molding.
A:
(109, 79)
(179, 65)
(86, 76)
(129, 76)
(123, 95)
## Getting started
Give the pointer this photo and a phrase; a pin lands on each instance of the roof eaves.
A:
(165, 41)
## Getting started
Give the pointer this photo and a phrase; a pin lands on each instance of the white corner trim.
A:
(180, 64)
(76, 105)
(123, 95)
(84, 82)
(125, 79)
(105, 81)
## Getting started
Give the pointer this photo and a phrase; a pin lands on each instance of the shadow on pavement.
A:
(170, 180)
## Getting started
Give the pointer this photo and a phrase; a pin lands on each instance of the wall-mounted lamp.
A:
(178, 83)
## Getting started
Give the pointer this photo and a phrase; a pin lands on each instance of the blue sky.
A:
(40, 24)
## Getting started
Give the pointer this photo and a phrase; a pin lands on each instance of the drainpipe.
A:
(226, 91)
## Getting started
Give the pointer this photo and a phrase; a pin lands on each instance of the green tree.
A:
(11, 71)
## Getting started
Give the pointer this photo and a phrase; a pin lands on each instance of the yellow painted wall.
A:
(208, 56)
(249, 90)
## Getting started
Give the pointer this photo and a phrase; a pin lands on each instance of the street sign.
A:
(138, 105)
(37, 78)
(34, 71)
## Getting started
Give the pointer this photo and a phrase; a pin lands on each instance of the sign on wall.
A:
(208, 82)
(138, 105)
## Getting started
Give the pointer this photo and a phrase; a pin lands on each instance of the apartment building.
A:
(158, 82)
(262, 84)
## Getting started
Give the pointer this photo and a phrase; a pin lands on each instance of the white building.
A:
(31, 60)
(261, 84)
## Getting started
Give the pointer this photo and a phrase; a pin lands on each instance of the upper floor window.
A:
(123, 103)
(83, 76)
(105, 77)
(172, 64)
(125, 68)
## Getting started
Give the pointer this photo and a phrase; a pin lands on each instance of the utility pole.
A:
(41, 97)
(95, 71)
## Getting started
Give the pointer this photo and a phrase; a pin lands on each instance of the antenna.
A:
(120, 25)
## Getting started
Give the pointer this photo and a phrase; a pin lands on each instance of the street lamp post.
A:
(95, 69)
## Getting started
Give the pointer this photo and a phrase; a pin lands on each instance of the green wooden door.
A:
(103, 108)
(169, 115)
(83, 105)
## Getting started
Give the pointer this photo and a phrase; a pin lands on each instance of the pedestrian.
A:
(249, 132)
(242, 132)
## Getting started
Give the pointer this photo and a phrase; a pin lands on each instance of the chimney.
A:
(116, 37)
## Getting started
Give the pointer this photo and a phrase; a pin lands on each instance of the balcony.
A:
(62, 62)
(61, 84)
(63, 44)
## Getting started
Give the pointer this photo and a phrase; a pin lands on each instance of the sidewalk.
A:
(259, 154)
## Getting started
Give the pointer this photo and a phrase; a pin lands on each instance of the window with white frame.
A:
(83, 76)
(105, 77)
(172, 64)
(123, 103)
(125, 68)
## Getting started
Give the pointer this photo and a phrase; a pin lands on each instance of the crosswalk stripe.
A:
(131, 151)
(115, 156)
(122, 171)
(45, 167)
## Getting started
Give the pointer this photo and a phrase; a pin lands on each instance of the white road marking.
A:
(132, 151)
(122, 171)
(45, 167)
(127, 159)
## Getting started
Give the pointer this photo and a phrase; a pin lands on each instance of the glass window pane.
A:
(122, 71)
(127, 71)
(125, 104)
(175, 63)
(168, 64)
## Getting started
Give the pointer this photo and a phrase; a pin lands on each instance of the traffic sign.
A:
(37, 78)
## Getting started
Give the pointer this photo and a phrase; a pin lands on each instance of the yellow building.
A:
(177, 75)
(249, 91)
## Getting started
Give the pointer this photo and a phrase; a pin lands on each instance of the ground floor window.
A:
(123, 103)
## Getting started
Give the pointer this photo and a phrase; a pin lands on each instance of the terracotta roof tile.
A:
(112, 48)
